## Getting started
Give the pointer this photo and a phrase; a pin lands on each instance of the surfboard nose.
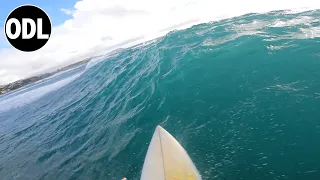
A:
(166, 159)
(158, 128)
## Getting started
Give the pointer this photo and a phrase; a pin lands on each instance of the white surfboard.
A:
(167, 160)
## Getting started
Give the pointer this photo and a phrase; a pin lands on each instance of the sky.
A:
(87, 28)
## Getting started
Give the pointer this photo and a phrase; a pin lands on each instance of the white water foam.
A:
(25, 98)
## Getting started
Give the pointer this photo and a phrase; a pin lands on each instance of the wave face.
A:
(240, 94)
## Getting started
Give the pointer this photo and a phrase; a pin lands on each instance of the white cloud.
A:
(99, 25)
(66, 11)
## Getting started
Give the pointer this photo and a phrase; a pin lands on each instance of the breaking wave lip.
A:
(255, 26)
(94, 61)
(33, 95)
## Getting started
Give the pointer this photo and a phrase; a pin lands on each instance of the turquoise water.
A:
(241, 95)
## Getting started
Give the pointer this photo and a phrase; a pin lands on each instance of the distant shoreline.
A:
(4, 89)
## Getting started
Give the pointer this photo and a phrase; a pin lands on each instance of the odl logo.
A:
(28, 28)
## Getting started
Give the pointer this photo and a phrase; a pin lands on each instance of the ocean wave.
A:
(240, 94)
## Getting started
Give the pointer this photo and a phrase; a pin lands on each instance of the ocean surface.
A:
(241, 95)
